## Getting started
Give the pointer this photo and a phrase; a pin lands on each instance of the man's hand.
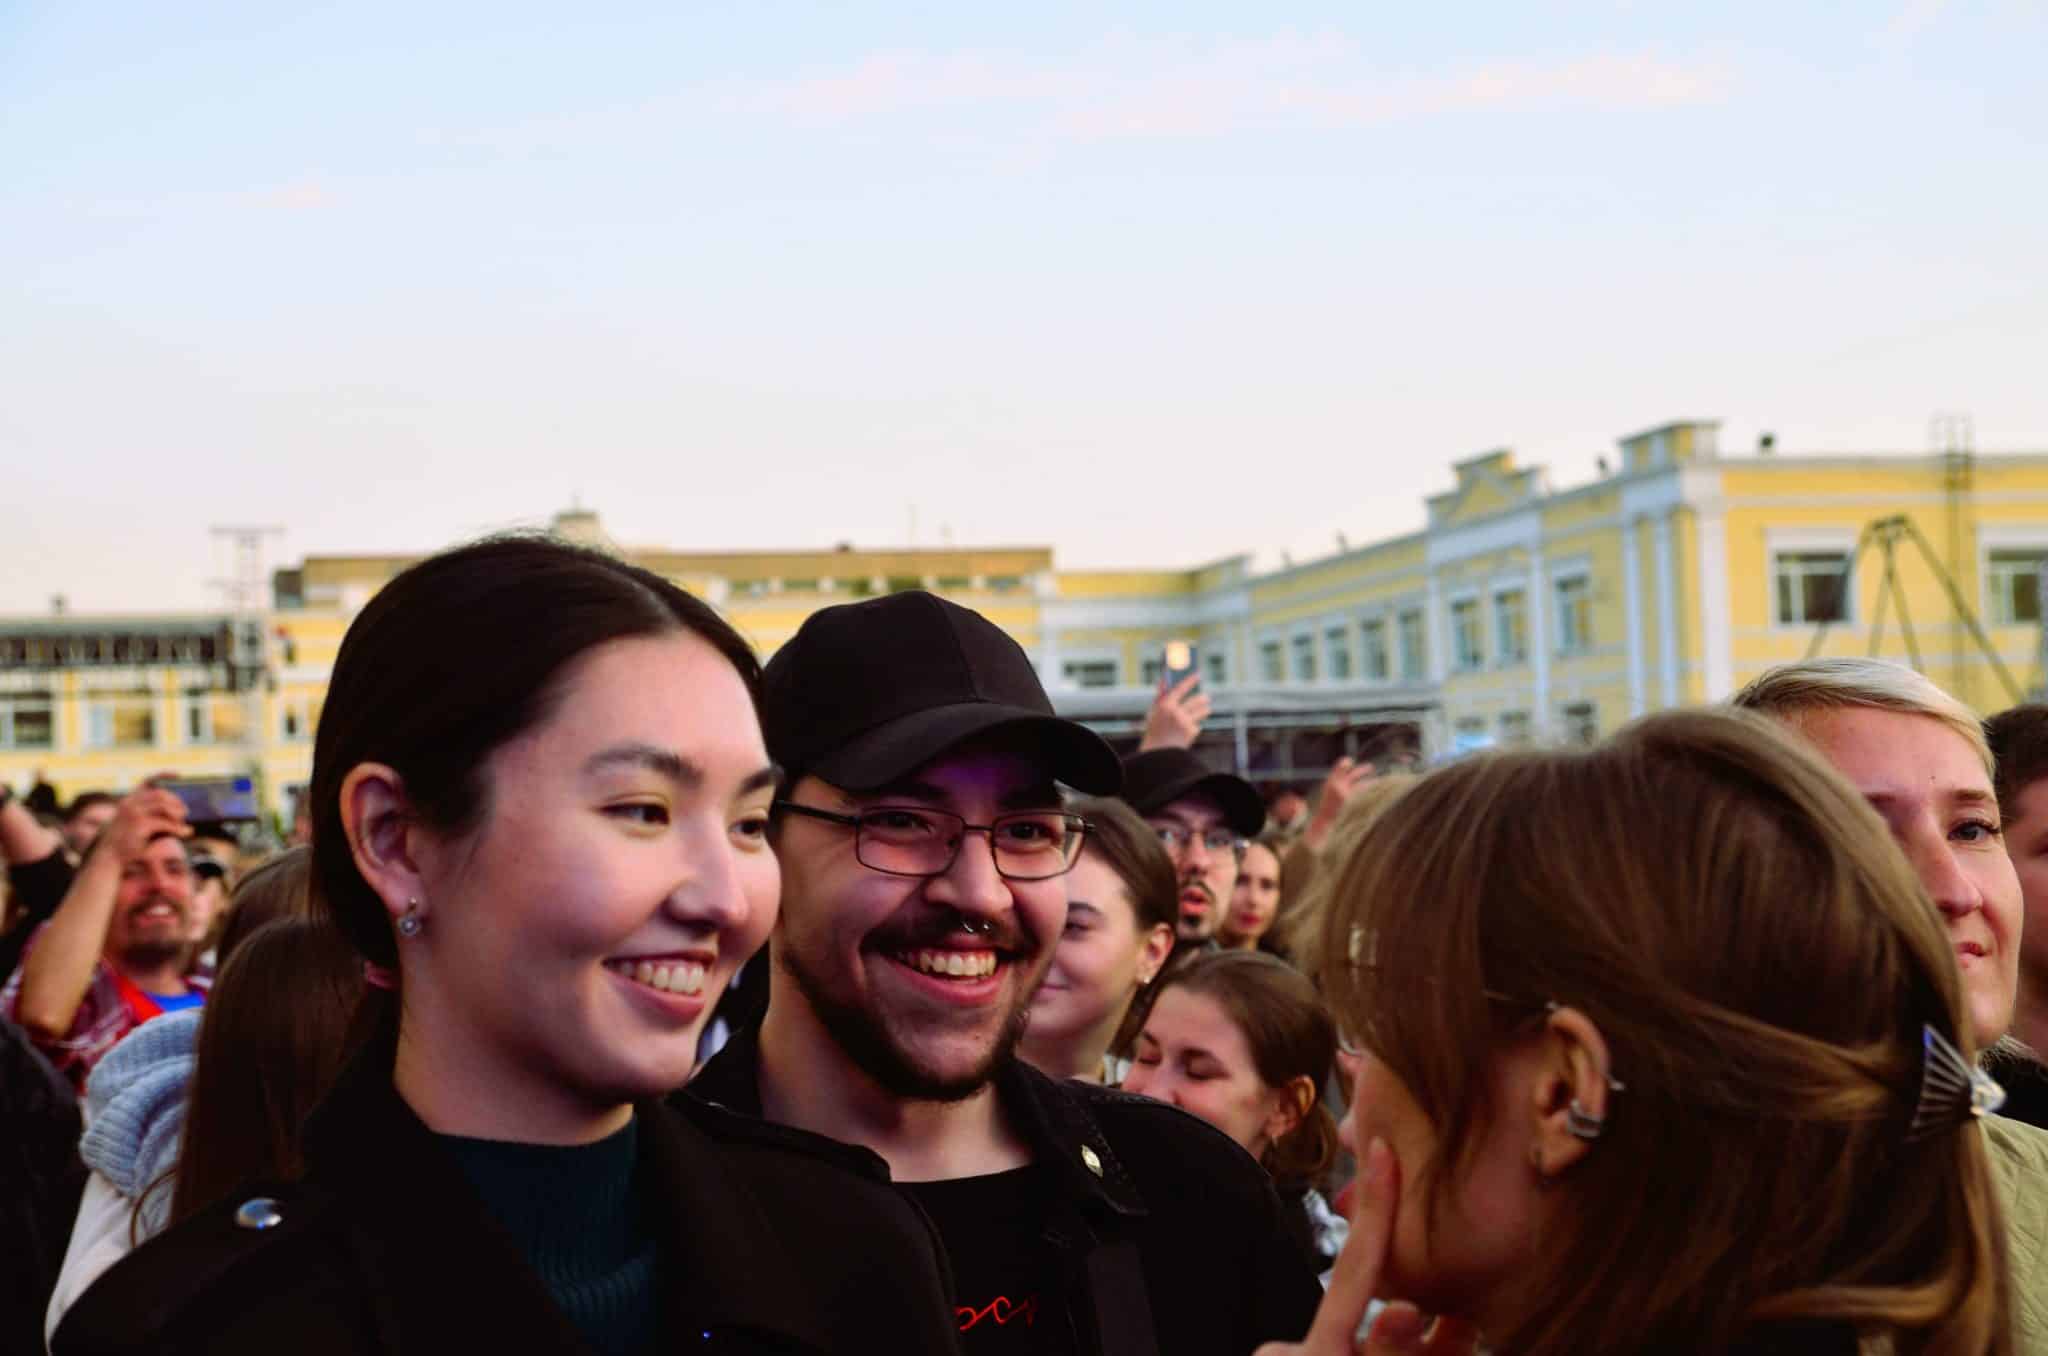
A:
(144, 815)
(1176, 716)
(1400, 1329)
(1345, 778)
(59, 965)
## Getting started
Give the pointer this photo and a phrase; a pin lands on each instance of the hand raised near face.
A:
(142, 816)
(1400, 1329)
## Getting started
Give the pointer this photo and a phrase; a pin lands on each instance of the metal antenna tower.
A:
(1885, 534)
(248, 653)
(1954, 437)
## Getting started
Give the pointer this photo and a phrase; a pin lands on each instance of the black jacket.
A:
(767, 1242)
(1174, 1240)
(41, 1179)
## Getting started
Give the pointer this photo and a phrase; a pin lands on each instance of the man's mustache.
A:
(945, 929)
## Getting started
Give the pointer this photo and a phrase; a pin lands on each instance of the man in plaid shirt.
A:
(119, 950)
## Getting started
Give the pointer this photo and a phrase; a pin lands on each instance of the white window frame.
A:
(1300, 645)
(1996, 537)
(1503, 657)
(99, 721)
(1336, 645)
(11, 704)
(1418, 670)
(1072, 659)
(1793, 543)
(1567, 647)
(1461, 661)
(1272, 659)
(1564, 721)
(1388, 644)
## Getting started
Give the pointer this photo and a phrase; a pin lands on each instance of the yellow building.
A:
(1518, 613)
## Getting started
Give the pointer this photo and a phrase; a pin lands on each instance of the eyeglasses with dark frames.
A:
(1175, 838)
(910, 840)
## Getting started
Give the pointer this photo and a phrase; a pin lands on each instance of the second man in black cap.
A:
(1204, 818)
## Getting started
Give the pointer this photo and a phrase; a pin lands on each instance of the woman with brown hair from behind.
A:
(193, 1102)
(277, 1032)
(1663, 1051)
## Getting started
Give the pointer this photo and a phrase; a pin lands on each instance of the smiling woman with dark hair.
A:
(539, 801)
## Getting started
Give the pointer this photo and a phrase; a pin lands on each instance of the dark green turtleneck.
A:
(574, 1214)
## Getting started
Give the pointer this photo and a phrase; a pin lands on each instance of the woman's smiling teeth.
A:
(684, 977)
(952, 964)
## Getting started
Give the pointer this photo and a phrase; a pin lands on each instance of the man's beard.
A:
(1188, 931)
(147, 953)
(867, 1042)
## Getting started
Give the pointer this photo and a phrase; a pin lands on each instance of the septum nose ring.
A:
(977, 927)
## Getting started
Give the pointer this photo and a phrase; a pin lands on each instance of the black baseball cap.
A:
(1156, 778)
(868, 692)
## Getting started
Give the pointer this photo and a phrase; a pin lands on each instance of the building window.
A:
(1465, 637)
(1511, 626)
(1581, 724)
(1004, 583)
(1337, 646)
(954, 583)
(211, 718)
(1574, 614)
(1219, 671)
(121, 722)
(1304, 659)
(1811, 587)
(1151, 671)
(1090, 672)
(1271, 666)
(2013, 584)
(28, 721)
(1414, 647)
(799, 586)
(299, 718)
(1372, 649)
(1514, 729)
(904, 583)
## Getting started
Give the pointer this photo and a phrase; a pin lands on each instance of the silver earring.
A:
(409, 921)
(1583, 1123)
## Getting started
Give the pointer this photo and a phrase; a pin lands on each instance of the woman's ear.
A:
(1573, 1091)
(382, 836)
(1152, 955)
(1291, 1106)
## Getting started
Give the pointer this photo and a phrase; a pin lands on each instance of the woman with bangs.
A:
(539, 803)
(1659, 1049)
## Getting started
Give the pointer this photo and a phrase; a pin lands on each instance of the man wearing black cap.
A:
(924, 846)
(1203, 817)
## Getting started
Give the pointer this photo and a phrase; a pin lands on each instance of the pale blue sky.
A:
(1152, 286)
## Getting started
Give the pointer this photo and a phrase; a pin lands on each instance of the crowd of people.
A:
(628, 995)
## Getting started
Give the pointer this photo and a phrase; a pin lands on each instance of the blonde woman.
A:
(1921, 759)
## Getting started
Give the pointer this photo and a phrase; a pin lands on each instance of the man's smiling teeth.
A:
(684, 977)
(953, 964)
